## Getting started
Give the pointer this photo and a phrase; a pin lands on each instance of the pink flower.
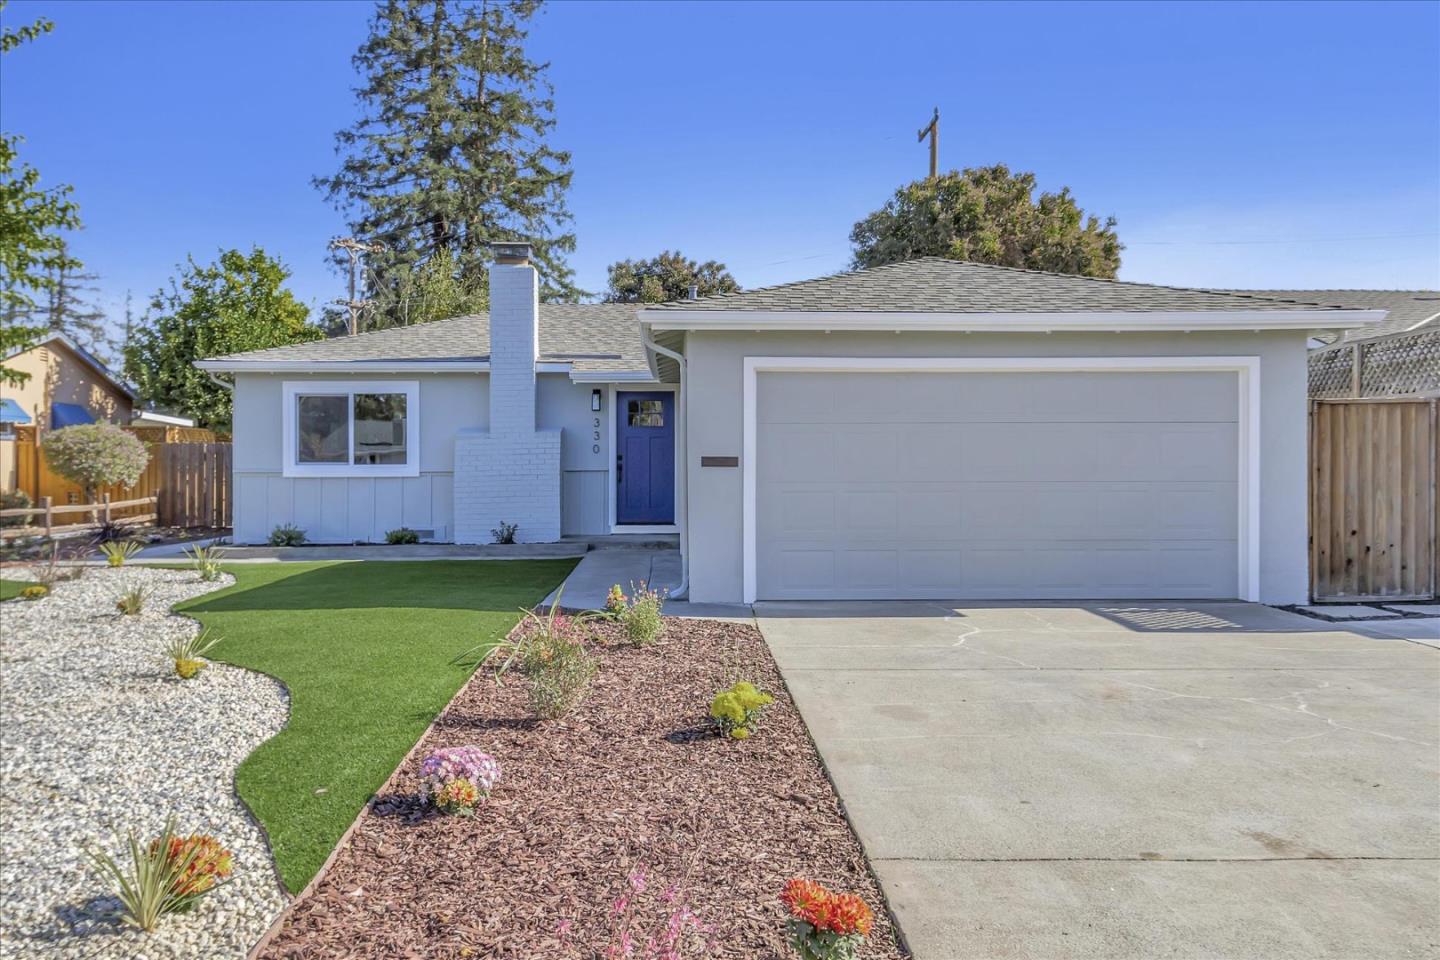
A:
(618, 907)
(637, 879)
(563, 930)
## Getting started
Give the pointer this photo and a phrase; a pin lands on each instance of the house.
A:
(923, 430)
(66, 385)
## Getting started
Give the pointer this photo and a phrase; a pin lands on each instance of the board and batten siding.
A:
(346, 509)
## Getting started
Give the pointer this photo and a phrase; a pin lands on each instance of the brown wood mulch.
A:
(634, 776)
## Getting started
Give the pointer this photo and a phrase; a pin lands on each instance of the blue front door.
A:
(645, 457)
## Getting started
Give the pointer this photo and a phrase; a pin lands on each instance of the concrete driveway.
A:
(1129, 780)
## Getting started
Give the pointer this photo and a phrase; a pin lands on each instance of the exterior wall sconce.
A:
(595, 400)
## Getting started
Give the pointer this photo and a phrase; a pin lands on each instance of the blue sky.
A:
(1271, 145)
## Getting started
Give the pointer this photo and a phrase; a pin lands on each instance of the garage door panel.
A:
(1058, 486)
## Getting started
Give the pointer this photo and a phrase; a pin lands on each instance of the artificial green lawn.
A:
(11, 588)
(366, 650)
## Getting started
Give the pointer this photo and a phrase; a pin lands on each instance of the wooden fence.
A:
(190, 483)
(1373, 506)
(45, 518)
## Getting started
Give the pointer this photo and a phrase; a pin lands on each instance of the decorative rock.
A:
(100, 738)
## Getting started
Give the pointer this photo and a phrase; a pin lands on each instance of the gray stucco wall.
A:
(344, 509)
(715, 385)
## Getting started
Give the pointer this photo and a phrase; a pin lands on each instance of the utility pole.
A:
(354, 247)
(932, 129)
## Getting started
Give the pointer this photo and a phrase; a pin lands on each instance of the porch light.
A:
(595, 400)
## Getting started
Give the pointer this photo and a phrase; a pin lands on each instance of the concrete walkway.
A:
(1129, 780)
(589, 583)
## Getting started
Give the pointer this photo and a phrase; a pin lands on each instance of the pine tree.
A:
(70, 310)
(450, 154)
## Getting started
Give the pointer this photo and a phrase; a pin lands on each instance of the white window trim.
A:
(1246, 369)
(292, 390)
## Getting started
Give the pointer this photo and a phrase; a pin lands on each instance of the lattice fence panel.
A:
(1396, 366)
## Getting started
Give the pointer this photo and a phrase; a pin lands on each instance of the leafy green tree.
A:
(450, 153)
(988, 215)
(666, 277)
(31, 248)
(438, 289)
(96, 455)
(236, 304)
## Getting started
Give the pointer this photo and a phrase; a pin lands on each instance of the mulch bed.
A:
(634, 776)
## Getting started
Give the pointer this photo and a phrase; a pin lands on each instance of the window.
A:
(362, 428)
(646, 413)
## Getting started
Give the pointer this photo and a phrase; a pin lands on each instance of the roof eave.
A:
(344, 366)
(1330, 319)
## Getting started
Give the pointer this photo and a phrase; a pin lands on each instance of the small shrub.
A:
(206, 560)
(737, 711)
(96, 455)
(550, 651)
(118, 551)
(168, 875)
(505, 533)
(401, 535)
(50, 569)
(616, 603)
(287, 535)
(36, 591)
(824, 925)
(185, 653)
(642, 617)
(132, 601)
(458, 779)
(111, 530)
(15, 500)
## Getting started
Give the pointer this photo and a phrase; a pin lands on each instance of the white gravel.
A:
(97, 738)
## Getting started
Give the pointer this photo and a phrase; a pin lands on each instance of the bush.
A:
(206, 560)
(287, 535)
(551, 652)
(118, 551)
(641, 618)
(185, 653)
(457, 779)
(824, 925)
(401, 535)
(96, 455)
(168, 875)
(737, 711)
(36, 591)
(15, 500)
(111, 530)
(132, 601)
(505, 533)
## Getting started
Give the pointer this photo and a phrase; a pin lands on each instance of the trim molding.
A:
(343, 367)
(1246, 369)
(1103, 322)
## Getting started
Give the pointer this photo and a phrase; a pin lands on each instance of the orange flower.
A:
(841, 913)
(211, 862)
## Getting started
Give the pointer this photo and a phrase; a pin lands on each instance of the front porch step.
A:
(611, 541)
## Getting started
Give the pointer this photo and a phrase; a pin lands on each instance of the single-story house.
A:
(930, 429)
(66, 385)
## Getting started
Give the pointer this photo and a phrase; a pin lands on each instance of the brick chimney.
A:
(514, 338)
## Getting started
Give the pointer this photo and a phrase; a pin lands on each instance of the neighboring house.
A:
(67, 385)
(1408, 310)
(931, 429)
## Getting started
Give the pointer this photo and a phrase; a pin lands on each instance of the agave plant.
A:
(168, 875)
(206, 560)
(118, 551)
(185, 652)
(132, 601)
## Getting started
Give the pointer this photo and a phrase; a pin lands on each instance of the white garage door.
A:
(996, 485)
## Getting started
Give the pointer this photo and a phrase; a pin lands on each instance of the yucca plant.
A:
(185, 652)
(132, 601)
(168, 875)
(118, 551)
(206, 560)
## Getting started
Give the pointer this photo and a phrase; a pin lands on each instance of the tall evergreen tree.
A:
(70, 309)
(31, 218)
(450, 154)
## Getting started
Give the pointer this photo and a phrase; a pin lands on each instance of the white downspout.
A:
(682, 591)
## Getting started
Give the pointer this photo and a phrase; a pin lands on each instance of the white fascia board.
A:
(153, 417)
(345, 366)
(612, 376)
(1011, 322)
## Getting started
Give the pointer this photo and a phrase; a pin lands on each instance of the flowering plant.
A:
(199, 861)
(641, 616)
(824, 925)
(651, 926)
(616, 603)
(457, 779)
(737, 711)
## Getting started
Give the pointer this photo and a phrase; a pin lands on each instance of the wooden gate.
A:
(1373, 509)
(195, 484)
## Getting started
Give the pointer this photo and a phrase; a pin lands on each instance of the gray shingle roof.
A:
(1408, 308)
(938, 285)
(595, 337)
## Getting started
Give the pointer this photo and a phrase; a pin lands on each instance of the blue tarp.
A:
(11, 412)
(68, 415)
